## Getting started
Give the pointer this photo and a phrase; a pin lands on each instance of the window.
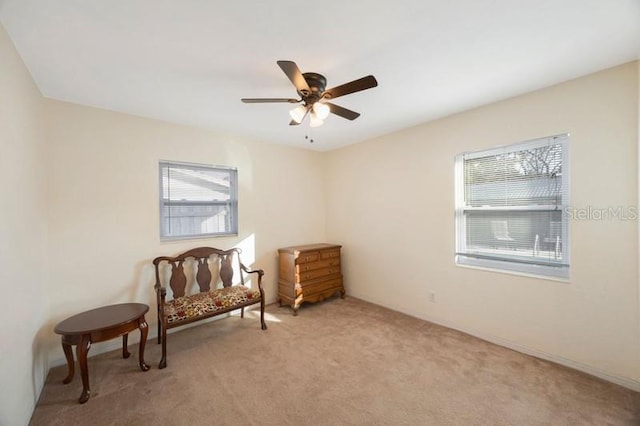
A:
(197, 201)
(510, 205)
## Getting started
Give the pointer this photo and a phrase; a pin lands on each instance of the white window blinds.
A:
(197, 200)
(510, 206)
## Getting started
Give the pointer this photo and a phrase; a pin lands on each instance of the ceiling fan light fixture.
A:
(321, 110)
(314, 120)
(298, 113)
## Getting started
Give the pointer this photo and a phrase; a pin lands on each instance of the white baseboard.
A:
(618, 380)
(622, 381)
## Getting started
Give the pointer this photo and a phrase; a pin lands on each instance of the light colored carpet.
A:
(340, 362)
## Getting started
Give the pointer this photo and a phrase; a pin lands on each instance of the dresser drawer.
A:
(307, 257)
(320, 286)
(317, 273)
(325, 263)
(330, 254)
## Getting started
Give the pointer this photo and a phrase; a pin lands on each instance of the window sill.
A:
(194, 237)
(470, 264)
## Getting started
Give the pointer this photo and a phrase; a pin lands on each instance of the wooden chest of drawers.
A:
(309, 273)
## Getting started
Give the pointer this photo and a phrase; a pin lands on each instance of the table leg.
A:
(144, 330)
(125, 351)
(68, 353)
(82, 350)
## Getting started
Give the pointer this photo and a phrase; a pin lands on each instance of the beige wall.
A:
(103, 205)
(23, 277)
(390, 201)
(88, 239)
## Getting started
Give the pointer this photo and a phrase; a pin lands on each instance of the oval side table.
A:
(98, 325)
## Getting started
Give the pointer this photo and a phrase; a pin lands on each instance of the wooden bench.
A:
(216, 293)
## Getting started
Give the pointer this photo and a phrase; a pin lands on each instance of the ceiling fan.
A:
(314, 97)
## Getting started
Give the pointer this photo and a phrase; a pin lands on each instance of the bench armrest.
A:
(161, 294)
(260, 273)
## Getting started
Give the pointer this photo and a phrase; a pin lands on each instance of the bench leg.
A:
(264, 325)
(163, 360)
(159, 331)
(242, 312)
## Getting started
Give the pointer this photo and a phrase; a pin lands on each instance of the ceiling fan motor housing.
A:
(317, 83)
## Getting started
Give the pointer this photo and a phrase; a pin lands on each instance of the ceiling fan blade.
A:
(363, 83)
(267, 100)
(342, 112)
(293, 72)
(294, 123)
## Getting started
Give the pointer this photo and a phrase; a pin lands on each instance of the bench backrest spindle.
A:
(226, 270)
(204, 266)
(178, 280)
(203, 276)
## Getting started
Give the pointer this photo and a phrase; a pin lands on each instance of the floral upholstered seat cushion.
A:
(195, 305)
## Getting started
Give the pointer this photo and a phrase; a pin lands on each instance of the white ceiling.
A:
(190, 61)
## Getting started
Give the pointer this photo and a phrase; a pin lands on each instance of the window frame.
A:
(232, 203)
(511, 264)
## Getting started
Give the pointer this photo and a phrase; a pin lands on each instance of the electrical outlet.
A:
(432, 297)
